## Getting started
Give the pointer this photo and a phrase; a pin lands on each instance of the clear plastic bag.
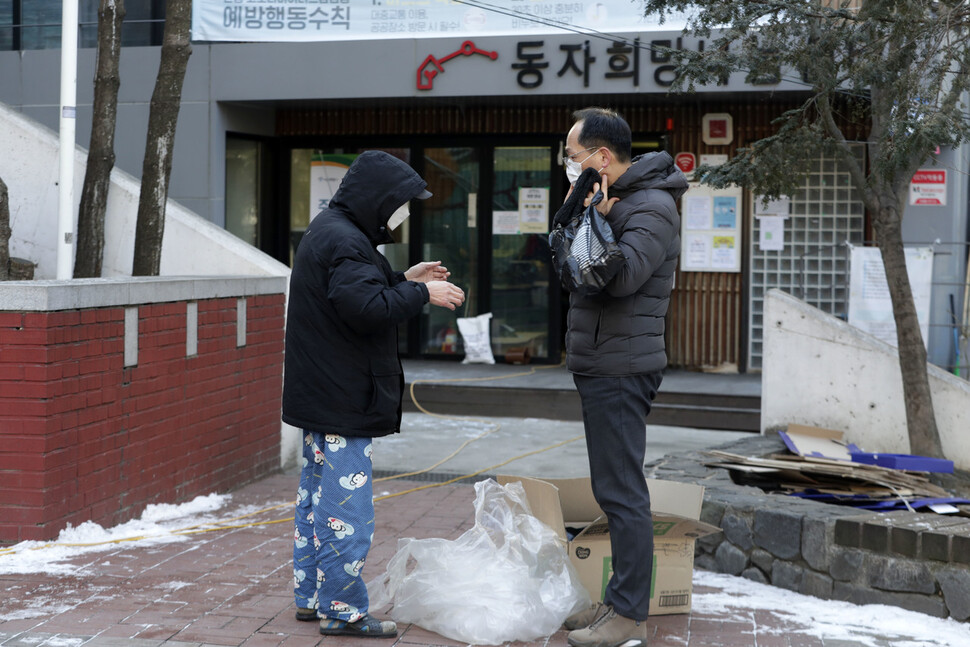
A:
(506, 579)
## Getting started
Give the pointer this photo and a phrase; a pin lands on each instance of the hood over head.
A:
(376, 184)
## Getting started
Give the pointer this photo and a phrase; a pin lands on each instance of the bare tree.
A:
(101, 154)
(160, 143)
(4, 233)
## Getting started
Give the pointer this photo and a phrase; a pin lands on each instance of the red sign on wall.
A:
(686, 162)
(928, 187)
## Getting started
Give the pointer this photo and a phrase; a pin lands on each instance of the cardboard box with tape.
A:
(569, 504)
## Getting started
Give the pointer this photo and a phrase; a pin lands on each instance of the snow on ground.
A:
(733, 598)
(157, 525)
(869, 624)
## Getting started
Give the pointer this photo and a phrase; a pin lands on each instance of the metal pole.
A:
(65, 205)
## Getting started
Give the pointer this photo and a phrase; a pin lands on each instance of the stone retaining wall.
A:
(917, 561)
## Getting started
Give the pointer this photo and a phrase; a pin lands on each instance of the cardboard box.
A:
(569, 503)
(816, 442)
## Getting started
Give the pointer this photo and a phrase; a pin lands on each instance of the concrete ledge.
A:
(909, 560)
(820, 371)
(51, 295)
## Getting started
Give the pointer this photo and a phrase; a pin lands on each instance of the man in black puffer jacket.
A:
(615, 350)
(343, 382)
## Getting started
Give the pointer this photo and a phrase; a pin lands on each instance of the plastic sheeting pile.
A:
(506, 579)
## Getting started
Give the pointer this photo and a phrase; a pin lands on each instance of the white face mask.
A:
(573, 168)
(399, 216)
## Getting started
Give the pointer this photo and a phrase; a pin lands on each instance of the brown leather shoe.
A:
(611, 630)
(585, 617)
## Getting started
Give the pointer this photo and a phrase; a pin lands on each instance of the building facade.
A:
(266, 129)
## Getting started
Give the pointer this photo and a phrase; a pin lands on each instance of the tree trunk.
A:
(4, 233)
(924, 437)
(101, 154)
(162, 119)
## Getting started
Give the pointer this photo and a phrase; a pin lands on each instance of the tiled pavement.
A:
(232, 587)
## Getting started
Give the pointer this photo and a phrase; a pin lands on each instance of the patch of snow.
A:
(158, 525)
(869, 624)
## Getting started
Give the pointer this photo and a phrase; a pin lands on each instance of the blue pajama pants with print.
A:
(334, 525)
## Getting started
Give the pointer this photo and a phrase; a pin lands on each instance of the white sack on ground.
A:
(475, 338)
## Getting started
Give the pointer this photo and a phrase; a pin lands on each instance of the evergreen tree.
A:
(899, 66)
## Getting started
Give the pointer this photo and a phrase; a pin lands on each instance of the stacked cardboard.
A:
(822, 466)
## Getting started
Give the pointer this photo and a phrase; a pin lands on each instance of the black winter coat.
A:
(620, 331)
(342, 373)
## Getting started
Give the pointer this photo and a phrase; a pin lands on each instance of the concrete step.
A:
(700, 410)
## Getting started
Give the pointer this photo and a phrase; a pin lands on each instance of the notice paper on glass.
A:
(771, 234)
(533, 210)
(505, 222)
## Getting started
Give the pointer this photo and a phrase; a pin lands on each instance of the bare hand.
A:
(427, 271)
(607, 202)
(446, 295)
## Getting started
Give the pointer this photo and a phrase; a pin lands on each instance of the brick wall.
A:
(83, 437)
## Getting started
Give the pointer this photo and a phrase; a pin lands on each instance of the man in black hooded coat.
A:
(343, 382)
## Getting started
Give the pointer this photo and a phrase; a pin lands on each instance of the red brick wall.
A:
(83, 438)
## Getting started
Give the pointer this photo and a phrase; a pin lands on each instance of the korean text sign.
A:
(316, 20)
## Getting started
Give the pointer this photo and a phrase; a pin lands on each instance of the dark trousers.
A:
(614, 414)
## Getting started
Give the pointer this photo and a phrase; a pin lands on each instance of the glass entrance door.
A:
(520, 289)
(449, 233)
(487, 222)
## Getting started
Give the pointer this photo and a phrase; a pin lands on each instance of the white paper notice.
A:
(505, 222)
(771, 237)
(779, 206)
(870, 306)
(724, 253)
(700, 209)
(533, 210)
(698, 251)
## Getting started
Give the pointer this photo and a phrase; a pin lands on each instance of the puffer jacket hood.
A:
(376, 184)
(651, 171)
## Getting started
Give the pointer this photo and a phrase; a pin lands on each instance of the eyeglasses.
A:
(570, 157)
(566, 157)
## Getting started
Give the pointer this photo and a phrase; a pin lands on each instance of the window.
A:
(36, 24)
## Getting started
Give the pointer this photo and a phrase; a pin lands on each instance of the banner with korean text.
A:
(319, 20)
